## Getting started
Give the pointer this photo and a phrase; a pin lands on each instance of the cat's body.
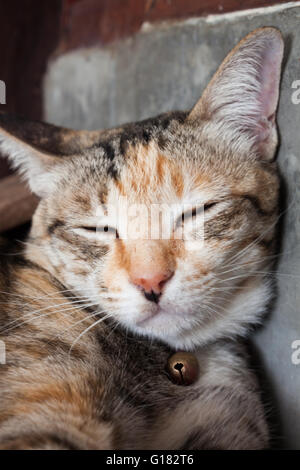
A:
(111, 391)
(89, 322)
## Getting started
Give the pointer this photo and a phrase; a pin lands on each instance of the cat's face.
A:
(172, 288)
(194, 273)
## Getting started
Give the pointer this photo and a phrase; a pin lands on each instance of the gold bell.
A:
(183, 368)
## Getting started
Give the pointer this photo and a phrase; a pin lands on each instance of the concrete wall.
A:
(166, 67)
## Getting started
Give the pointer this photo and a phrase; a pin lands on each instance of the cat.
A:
(89, 317)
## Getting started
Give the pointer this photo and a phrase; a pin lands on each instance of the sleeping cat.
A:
(89, 317)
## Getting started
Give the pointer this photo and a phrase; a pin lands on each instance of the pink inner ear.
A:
(269, 78)
(242, 97)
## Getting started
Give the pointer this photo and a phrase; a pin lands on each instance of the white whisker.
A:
(88, 329)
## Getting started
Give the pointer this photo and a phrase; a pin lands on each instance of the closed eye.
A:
(90, 229)
(192, 213)
(105, 229)
(209, 205)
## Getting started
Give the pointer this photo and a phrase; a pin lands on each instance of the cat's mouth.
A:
(146, 318)
(157, 311)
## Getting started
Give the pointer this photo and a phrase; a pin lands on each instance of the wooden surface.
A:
(17, 204)
(88, 22)
(28, 35)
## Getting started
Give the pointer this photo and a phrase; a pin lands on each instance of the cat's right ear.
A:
(35, 148)
(238, 107)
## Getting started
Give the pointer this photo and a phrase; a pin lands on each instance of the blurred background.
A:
(99, 63)
(32, 31)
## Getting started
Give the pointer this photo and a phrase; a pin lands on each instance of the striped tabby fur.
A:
(86, 351)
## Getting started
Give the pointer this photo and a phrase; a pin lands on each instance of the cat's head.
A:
(216, 162)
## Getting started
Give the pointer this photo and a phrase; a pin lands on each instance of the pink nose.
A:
(154, 282)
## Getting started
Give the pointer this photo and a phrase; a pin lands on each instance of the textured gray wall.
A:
(166, 67)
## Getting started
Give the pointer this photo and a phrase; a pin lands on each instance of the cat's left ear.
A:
(35, 148)
(239, 105)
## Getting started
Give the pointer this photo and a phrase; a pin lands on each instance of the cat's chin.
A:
(148, 317)
(159, 324)
(180, 331)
